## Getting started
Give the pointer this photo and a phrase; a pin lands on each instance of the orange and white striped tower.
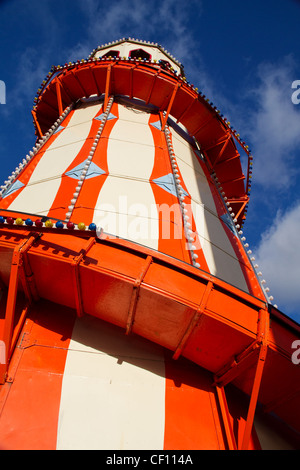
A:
(132, 316)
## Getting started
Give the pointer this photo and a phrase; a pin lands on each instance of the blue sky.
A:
(244, 55)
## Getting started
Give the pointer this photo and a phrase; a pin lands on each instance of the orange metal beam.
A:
(241, 208)
(58, 94)
(107, 86)
(123, 244)
(254, 397)
(240, 178)
(226, 418)
(18, 328)
(238, 366)
(186, 110)
(229, 160)
(262, 335)
(194, 320)
(77, 286)
(203, 124)
(11, 301)
(222, 149)
(9, 313)
(177, 86)
(79, 83)
(221, 141)
(135, 294)
(152, 86)
(66, 90)
(245, 361)
(36, 123)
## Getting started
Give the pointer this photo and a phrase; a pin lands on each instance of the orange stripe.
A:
(26, 174)
(88, 196)
(191, 420)
(171, 233)
(67, 186)
(30, 415)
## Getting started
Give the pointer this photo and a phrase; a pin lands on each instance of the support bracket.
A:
(165, 118)
(135, 294)
(194, 320)
(254, 354)
(107, 87)
(77, 286)
(17, 268)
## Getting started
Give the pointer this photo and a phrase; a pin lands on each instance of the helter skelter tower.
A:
(132, 316)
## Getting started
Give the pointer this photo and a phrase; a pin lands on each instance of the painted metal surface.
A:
(177, 306)
(161, 88)
(134, 188)
(153, 332)
(86, 385)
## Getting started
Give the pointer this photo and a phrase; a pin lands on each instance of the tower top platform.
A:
(148, 75)
(134, 48)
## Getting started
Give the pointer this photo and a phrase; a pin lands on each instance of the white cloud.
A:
(273, 132)
(278, 256)
(150, 21)
(274, 125)
(32, 68)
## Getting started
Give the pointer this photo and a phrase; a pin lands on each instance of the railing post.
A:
(6, 341)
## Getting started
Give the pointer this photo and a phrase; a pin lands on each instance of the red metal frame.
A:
(17, 269)
(165, 118)
(77, 287)
(135, 294)
(107, 87)
(37, 125)
(231, 441)
(237, 368)
(246, 366)
(58, 93)
(194, 320)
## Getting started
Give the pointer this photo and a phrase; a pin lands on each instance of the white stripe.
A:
(222, 263)
(218, 251)
(126, 205)
(113, 392)
(38, 196)
(131, 148)
(192, 172)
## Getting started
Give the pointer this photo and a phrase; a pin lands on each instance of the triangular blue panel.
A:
(156, 124)
(60, 128)
(93, 170)
(167, 183)
(110, 116)
(14, 187)
(76, 171)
